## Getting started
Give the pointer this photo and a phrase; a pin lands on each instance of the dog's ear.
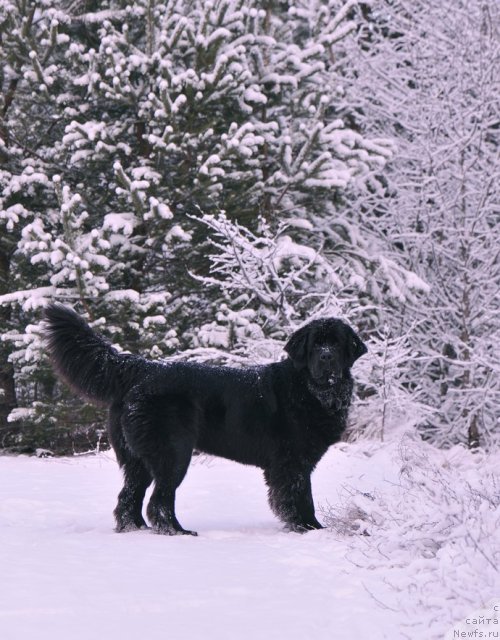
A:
(297, 347)
(355, 347)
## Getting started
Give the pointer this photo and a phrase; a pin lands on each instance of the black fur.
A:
(281, 417)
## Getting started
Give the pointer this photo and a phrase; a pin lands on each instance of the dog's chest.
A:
(317, 428)
(335, 400)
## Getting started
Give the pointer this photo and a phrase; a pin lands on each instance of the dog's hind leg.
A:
(160, 429)
(128, 511)
(168, 476)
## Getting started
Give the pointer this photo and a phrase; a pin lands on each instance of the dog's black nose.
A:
(326, 356)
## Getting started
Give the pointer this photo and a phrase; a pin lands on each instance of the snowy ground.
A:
(66, 574)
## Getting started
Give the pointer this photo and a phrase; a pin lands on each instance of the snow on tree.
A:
(425, 74)
(119, 126)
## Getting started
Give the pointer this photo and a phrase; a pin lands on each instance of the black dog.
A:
(281, 417)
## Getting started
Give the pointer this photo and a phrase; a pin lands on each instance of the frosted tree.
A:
(426, 74)
(280, 281)
(123, 126)
(311, 159)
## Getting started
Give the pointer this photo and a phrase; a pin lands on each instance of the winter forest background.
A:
(201, 177)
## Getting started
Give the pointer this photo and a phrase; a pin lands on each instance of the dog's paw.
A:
(173, 531)
(127, 523)
(303, 527)
(127, 527)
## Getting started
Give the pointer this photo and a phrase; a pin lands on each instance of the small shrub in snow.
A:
(390, 402)
(433, 535)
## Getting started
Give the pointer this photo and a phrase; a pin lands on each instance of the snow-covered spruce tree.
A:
(120, 121)
(426, 74)
(311, 160)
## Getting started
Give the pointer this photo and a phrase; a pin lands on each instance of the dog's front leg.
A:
(290, 497)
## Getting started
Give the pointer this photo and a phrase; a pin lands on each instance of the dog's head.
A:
(327, 348)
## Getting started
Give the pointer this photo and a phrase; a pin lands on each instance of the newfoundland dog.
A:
(281, 417)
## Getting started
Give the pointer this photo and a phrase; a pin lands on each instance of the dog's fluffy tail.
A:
(86, 361)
